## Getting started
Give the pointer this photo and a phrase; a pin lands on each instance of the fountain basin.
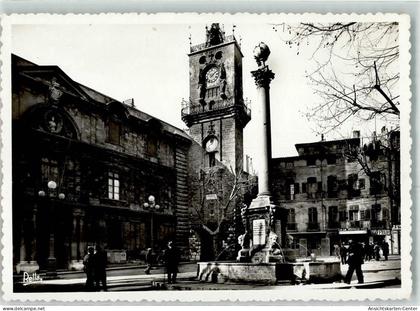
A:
(245, 272)
(269, 273)
(317, 271)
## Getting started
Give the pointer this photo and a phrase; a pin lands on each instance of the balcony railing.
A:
(190, 108)
(202, 46)
(291, 226)
(313, 226)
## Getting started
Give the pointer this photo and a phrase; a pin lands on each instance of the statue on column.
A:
(261, 53)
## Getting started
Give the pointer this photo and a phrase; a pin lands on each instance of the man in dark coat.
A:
(89, 268)
(385, 250)
(343, 254)
(355, 261)
(100, 261)
(171, 261)
(369, 251)
(376, 250)
(149, 260)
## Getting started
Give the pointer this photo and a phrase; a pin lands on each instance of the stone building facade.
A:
(90, 170)
(331, 198)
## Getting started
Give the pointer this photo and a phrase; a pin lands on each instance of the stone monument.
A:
(264, 221)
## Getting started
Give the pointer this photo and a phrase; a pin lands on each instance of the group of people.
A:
(170, 258)
(95, 265)
(95, 268)
(369, 251)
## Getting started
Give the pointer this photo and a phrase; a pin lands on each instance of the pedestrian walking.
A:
(148, 260)
(171, 258)
(89, 269)
(376, 250)
(369, 252)
(364, 249)
(100, 261)
(343, 254)
(385, 249)
(355, 261)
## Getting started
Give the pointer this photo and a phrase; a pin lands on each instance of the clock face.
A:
(212, 75)
(212, 144)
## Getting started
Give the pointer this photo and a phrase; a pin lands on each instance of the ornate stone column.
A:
(265, 230)
(28, 243)
(76, 262)
(263, 76)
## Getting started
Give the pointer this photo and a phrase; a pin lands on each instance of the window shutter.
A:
(297, 188)
(304, 187)
(385, 214)
(367, 214)
(319, 186)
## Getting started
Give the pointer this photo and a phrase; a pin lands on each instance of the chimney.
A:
(129, 101)
(356, 134)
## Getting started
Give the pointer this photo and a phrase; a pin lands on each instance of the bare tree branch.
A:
(355, 74)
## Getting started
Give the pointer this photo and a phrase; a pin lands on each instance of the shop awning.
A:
(306, 232)
(348, 232)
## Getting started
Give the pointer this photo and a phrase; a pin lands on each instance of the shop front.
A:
(360, 236)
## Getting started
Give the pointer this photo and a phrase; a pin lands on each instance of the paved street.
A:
(376, 274)
(374, 271)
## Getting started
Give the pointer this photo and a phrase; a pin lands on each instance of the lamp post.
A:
(52, 261)
(152, 205)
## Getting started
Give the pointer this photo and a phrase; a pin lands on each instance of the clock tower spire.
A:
(216, 112)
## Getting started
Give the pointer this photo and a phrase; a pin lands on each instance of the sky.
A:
(149, 63)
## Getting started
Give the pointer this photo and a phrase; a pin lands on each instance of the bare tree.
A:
(218, 191)
(380, 161)
(355, 70)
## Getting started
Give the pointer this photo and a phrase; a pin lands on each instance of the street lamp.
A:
(52, 262)
(152, 205)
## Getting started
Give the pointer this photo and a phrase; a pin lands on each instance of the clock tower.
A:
(216, 112)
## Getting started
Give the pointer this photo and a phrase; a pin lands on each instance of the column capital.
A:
(263, 76)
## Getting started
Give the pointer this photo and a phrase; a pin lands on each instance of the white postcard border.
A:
(295, 293)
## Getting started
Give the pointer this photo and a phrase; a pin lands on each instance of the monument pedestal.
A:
(266, 227)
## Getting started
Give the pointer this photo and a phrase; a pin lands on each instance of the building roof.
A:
(39, 73)
(355, 141)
